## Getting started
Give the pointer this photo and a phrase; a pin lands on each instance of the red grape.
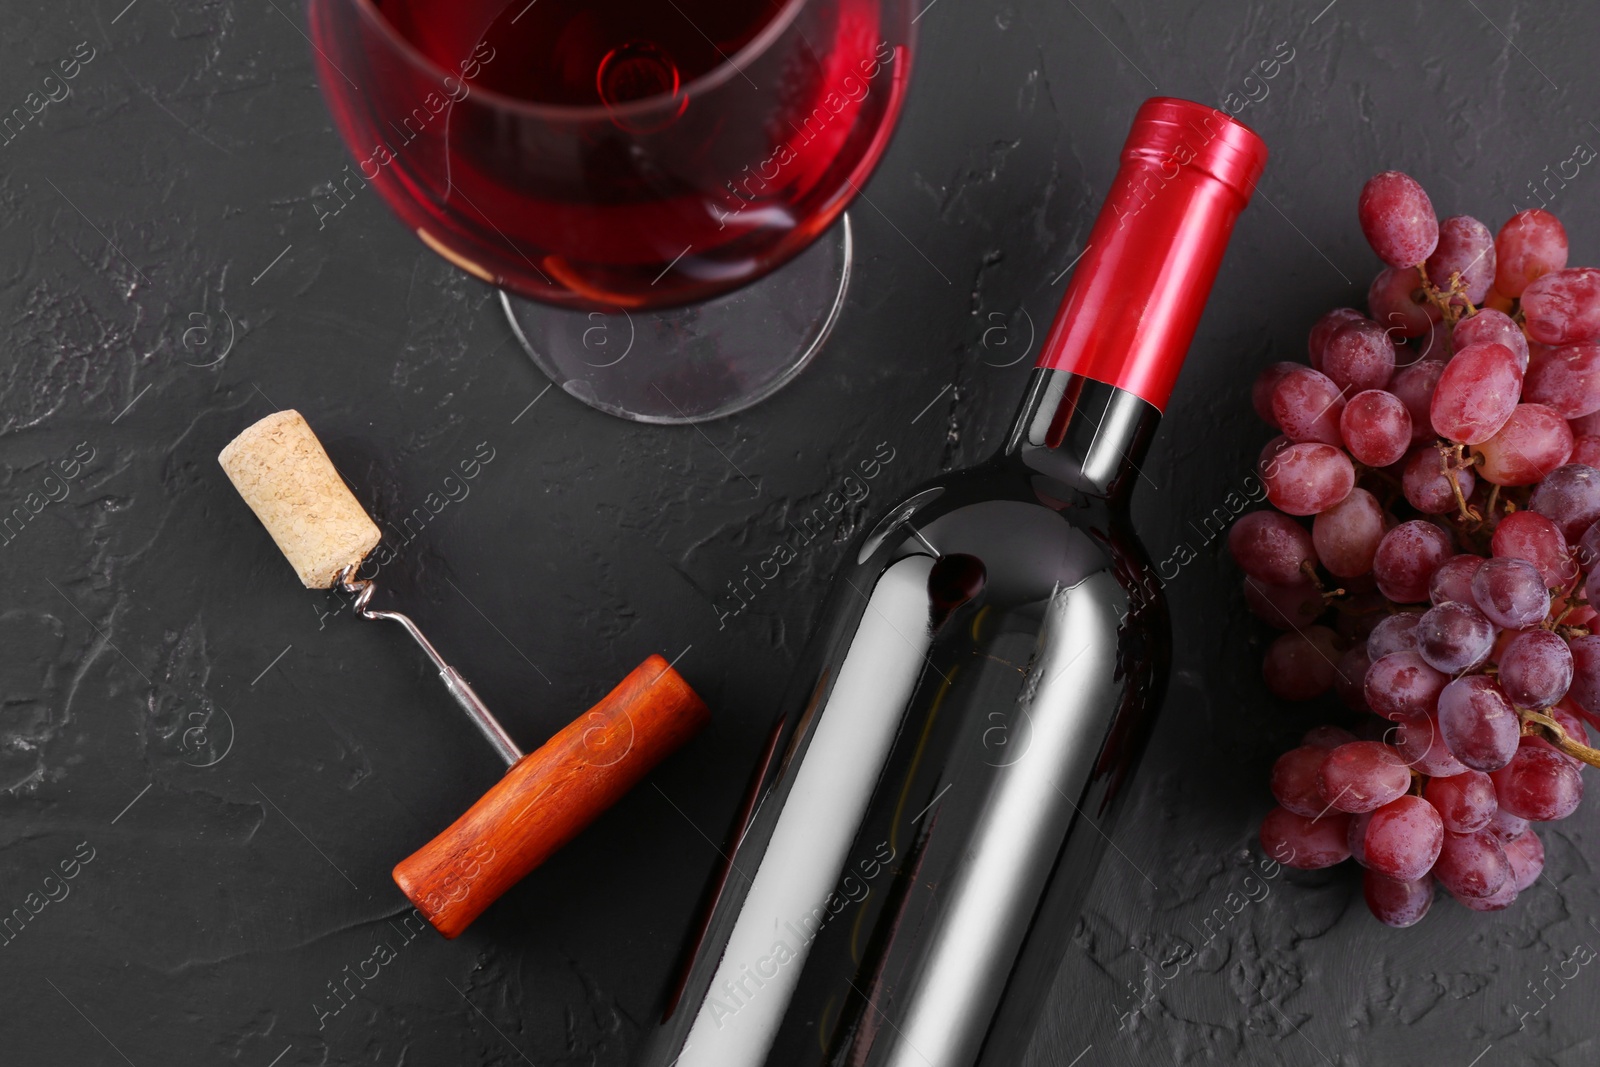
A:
(1396, 633)
(1533, 442)
(1530, 245)
(1466, 248)
(1538, 784)
(1587, 550)
(1306, 478)
(1294, 781)
(1526, 853)
(1585, 690)
(1268, 461)
(1453, 580)
(1585, 448)
(1324, 329)
(1530, 536)
(1327, 738)
(1399, 303)
(1491, 325)
(1465, 801)
(1361, 608)
(1288, 607)
(1403, 838)
(1350, 676)
(1300, 665)
(1574, 608)
(1271, 547)
(1376, 427)
(1563, 307)
(1472, 865)
(1397, 904)
(1505, 826)
(1454, 637)
(1426, 484)
(1308, 844)
(1572, 725)
(1421, 744)
(1444, 797)
(1502, 641)
(1497, 901)
(1478, 723)
(1346, 535)
(1359, 356)
(1406, 559)
(1397, 218)
(1356, 837)
(1536, 669)
(1571, 719)
(1415, 386)
(1362, 776)
(1511, 592)
(1261, 393)
(1570, 497)
(1306, 404)
(1566, 380)
(1476, 393)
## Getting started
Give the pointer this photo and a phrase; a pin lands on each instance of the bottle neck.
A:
(1147, 267)
(1087, 436)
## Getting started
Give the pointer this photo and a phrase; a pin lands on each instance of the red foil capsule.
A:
(1135, 299)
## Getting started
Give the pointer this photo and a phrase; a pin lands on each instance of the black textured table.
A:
(228, 768)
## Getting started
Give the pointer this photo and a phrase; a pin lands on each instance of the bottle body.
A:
(931, 810)
(934, 806)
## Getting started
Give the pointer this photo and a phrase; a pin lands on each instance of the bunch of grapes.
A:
(1446, 448)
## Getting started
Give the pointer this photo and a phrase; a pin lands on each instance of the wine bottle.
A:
(928, 817)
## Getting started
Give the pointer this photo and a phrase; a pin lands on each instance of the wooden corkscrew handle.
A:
(551, 794)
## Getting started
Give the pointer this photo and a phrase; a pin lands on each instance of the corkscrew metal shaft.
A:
(362, 589)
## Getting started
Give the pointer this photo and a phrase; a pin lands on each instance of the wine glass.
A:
(628, 172)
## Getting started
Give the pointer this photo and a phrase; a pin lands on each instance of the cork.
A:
(281, 470)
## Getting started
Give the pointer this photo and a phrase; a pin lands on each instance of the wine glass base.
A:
(694, 363)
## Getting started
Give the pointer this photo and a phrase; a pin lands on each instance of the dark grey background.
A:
(147, 626)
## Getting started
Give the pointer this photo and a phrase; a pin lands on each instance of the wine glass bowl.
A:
(622, 155)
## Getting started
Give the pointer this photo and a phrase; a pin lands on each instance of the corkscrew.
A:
(547, 796)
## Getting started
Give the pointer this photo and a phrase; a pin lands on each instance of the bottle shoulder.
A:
(1033, 536)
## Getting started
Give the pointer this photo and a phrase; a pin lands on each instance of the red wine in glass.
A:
(615, 154)
(579, 53)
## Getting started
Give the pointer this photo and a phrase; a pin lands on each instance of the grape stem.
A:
(1568, 632)
(1538, 724)
(1494, 498)
(1310, 571)
(1452, 303)
(1451, 460)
